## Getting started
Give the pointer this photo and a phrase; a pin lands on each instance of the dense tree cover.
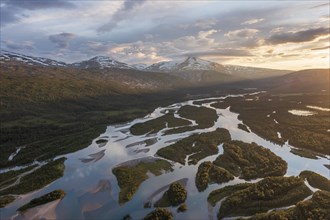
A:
(38, 178)
(315, 208)
(11, 176)
(209, 173)
(304, 153)
(243, 127)
(316, 180)
(250, 161)
(216, 195)
(49, 197)
(271, 192)
(159, 214)
(200, 145)
(204, 117)
(157, 124)
(130, 177)
(302, 132)
(174, 196)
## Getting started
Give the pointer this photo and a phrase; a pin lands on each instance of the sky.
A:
(271, 34)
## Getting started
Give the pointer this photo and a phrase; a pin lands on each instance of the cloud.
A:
(13, 10)
(38, 4)
(220, 53)
(120, 14)
(242, 33)
(297, 37)
(252, 21)
(25, 45)
(321, 48)
(62, 40)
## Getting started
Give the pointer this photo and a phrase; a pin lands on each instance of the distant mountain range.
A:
(192, 69)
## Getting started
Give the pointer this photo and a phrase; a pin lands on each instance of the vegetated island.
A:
(219, 194)
(316, 180)
(49, 197)
(197, 146)
(39, 178)
(269, 193)
(130, 177)
(250, 161)
(157, 124)
(315, 208)
(209, 173)
(159, 214)
(174, 196)
(203, 116)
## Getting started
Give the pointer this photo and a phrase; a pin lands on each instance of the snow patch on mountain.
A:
(30, 60)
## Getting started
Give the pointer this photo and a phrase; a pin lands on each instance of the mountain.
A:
(101, 62)
(196, 64)
(192, 69)
(246, 72)
(30, 60)
(303, 80)
(190, 63)
(139, 66)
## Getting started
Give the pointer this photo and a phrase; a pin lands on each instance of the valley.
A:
(121, 136)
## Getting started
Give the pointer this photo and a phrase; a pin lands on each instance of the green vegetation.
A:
(159, 214)
(157, 124)
(130, 177)
(198, 146)
(174, 196)
(216, 195)
(315, 208)
(316, 180)
(5, 200)
(41, 177)
(11, 176)
(53, 111)
(250, 161)
(210, 173)
(304, 153)
(308, 133)
(204, 117)
(101, 141)
(243, 127)
(182, 208)
(269, 193)
(49, 197)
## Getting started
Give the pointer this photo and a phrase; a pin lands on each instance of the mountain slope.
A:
(101, 62)
(303, 80)
(6, 56)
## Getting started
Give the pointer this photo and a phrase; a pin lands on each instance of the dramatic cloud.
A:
(62, 40)
(297, 37)
(220, 53)
(13, 10)
(242, 33)
(252, 21)
(25, 45)
(120, 14)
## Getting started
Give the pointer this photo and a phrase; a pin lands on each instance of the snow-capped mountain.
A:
(30, 60)
(188, 64)
(139, 66)
(101, 62)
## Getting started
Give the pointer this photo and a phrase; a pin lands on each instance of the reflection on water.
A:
(92, 189)
(301, 112)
